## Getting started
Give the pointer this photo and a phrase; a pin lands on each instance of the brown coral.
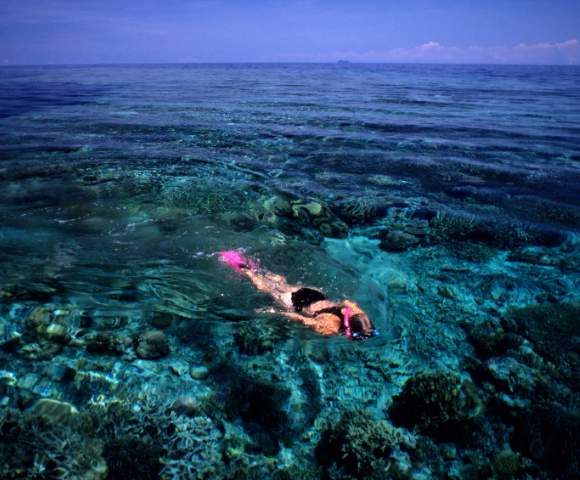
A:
(438, 404)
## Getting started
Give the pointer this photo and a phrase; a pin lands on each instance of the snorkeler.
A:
(306, 305)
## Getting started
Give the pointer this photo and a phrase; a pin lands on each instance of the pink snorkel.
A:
(236, 261)
(347, 312)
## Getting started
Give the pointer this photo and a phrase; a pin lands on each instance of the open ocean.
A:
(444, 199)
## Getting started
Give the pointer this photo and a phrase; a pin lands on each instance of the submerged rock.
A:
(162, 320)
(550, 435)
(385, 180)
(298, 216)
(41, 351)
(471, 251)
(104, 342)
(199, 372)
(152, 345)
(314, 209)
(130, 456)
(438, 404)
(253, 338)
(54, 411)
(278, 205)
(490, 339)
(510, 375)
(10, 342)
(188, 406)
(262, 407)
(395, 241)
(532, 255)
(336, 229)
(51, 323)
(317, 215)
(56, 332)
(42, 292)
(361, 210)
(506, 464)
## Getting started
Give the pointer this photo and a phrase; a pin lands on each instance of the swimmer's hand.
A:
(266, 310)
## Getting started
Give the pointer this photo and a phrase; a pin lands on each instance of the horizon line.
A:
(342, 63)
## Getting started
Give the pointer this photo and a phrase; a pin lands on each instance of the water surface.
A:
(119, 183)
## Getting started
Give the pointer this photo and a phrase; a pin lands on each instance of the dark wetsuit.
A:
(305, 297)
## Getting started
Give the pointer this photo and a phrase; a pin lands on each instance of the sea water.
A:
(443, 199)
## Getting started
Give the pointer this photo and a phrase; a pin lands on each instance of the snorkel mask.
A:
(348, 331)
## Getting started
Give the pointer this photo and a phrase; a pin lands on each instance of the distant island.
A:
(343, 62)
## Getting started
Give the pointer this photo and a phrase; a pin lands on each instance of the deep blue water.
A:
(119, 183)
(512, 125)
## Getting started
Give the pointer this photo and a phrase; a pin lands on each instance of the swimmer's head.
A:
(360, 324)
(362, 327)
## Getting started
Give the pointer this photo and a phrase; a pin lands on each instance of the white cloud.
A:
(543, 46)
(430, 46)
(565, 52)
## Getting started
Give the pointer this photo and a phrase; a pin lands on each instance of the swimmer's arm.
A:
(325, 324)
(258, 280)
(294, 316)
(268, 281)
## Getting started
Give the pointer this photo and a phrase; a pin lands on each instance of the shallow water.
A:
(119, 184)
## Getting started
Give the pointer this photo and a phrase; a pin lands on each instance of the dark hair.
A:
(356, 324)
(358, 330)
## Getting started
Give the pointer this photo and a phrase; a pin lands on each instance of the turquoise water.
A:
(443, 199)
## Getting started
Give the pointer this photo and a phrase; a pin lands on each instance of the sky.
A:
(169, 31)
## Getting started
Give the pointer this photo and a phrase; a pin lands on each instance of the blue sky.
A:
(136, 31)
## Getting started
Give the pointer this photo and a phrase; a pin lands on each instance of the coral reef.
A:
(490, 339)
(127, 351)
(104, 342)
(54, 412)
(551, 327)
(30, 447)
(359, 445)
(254, 338)
(437, 404)
(471, 251)
(260, 405)
(497, 234)
(109, 441)
(550, 435)
(152, 344)
(295, 216)
(395, 241)
(359, 210)
(192, 449)
(135, 457)
(202, 196)
(518, 354)
(506, 464)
